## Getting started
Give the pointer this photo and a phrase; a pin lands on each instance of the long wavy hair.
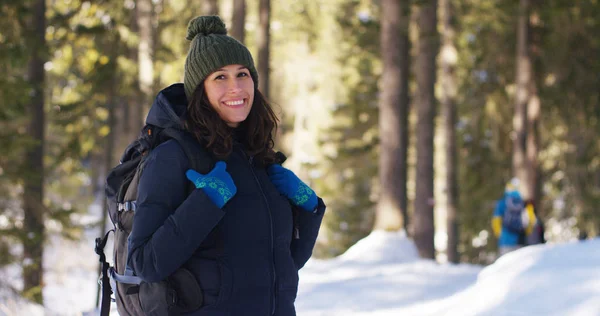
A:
(256, 133)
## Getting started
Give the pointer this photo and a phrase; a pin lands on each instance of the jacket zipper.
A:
(274, 280)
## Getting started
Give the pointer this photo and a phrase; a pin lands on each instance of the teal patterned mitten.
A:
(288, 184)
(217, 184)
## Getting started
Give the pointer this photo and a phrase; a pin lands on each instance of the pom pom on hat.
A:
(205, 25)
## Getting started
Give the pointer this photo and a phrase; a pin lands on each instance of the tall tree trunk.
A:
(238, 20)
(522, 97)
(144, 13)
(33, 184)
(393, 117)
(264, 39)
(424, 201)
(533, 121)
(210, 7)
(448, 60)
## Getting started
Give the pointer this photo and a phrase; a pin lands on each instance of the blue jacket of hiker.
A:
(507, 237)
(244, 256)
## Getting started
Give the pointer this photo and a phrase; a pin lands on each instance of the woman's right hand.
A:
(217, 184)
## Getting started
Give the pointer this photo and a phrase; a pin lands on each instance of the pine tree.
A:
(33, 192)
(238, 20)
(392, 213)
(524, 77)
(264, 41)
(448, 61)
(425, 75)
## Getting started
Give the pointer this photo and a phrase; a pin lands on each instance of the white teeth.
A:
(232, 103)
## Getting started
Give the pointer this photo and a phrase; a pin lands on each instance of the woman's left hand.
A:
(288, 184)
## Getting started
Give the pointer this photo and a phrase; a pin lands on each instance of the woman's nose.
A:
(234, 85)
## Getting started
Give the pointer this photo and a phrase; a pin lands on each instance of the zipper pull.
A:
(251, 160)
(296, 232)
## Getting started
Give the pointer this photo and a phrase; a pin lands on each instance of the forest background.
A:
(401, 114)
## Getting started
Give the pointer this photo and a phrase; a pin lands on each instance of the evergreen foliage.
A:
(354, 131)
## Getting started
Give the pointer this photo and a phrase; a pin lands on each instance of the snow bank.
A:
(561, 279)
(382, 247)
(378, 275)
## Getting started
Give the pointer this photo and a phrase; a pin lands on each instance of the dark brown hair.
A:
(255, 133)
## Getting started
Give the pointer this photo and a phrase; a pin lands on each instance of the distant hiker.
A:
(510, 220)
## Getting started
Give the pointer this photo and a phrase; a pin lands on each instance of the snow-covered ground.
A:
(380, 275)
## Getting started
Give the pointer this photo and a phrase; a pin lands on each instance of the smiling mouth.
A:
(236, 103)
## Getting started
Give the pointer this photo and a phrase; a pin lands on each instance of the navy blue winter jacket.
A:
(244, 256)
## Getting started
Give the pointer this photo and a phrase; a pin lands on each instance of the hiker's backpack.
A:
(513, 214)
(180, 292)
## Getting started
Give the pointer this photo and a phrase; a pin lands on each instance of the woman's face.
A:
(230, 91)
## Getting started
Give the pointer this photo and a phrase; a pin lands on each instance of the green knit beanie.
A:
(210, 50)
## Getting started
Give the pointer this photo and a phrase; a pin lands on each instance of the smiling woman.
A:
(228, 240)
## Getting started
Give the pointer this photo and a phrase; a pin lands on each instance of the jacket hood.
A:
(169, 108)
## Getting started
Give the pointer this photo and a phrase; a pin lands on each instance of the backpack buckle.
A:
(127, 206)
(100, 243)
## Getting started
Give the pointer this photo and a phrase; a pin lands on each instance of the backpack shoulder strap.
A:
(200, 159)
(281, 157)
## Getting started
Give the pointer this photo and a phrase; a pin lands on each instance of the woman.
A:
(250, 224)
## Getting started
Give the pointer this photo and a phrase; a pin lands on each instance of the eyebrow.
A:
(223, 69)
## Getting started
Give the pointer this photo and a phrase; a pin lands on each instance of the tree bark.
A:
(264, 39)
(448, 60)
(391, 211)
(33, 182)
(210, 7)
(522, 97)
(533, 121)
(238, 20)
(144, 12)
(424, 198)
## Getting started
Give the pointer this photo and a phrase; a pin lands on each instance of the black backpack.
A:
(180, 292)
(513, 214)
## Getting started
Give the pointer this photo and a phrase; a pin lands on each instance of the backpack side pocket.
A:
(180, 293)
